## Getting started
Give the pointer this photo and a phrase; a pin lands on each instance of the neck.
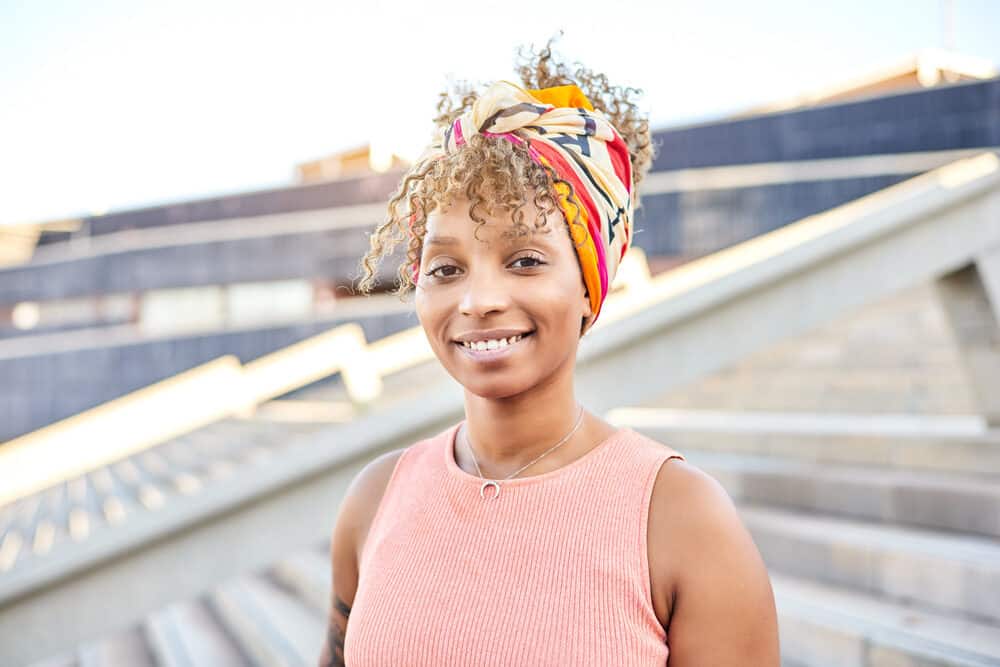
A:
(509, 433)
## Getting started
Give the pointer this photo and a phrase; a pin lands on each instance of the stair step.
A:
(947, 501)
(57, 518)
(307, 575)
(947, 572)
(67, 659)
(824, 626)
(121, 649)
(187, 633)
(946, 443)
(273, 627)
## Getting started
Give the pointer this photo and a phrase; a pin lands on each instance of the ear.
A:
(586, 313)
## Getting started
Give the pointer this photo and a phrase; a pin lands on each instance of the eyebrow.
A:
(441, 240)
(451, 240)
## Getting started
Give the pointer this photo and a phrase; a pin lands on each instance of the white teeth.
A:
(492, 344)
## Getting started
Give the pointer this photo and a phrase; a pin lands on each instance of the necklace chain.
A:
(495, 482)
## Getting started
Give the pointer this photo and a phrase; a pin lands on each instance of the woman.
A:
(533, 532)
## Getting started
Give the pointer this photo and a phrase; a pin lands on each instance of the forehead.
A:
(455, 229)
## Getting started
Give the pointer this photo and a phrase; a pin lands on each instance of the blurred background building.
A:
(813, 293)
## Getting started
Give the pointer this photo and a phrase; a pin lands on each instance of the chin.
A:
(494, 389)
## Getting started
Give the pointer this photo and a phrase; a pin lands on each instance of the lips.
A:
(471, 342)
(490, 334)
(495, 354)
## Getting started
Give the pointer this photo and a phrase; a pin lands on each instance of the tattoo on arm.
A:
(333, 651)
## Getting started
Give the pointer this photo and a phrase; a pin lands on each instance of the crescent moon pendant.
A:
(493, 483)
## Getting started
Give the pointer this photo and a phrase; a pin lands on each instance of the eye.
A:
(537, 261)
(434, 272)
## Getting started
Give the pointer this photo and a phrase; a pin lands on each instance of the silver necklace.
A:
(495, 483)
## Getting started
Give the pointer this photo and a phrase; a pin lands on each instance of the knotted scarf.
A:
(562, 130)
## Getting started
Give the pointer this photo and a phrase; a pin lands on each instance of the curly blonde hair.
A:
(495, 175)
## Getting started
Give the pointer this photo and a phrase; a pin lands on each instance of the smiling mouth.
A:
(494, 351)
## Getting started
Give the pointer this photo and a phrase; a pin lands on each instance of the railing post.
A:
(970, 300)
(359, 370)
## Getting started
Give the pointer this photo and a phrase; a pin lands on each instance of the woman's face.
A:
(497, 286)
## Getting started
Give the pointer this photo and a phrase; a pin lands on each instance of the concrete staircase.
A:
(875, 501)
(277, 617)
(271, 615)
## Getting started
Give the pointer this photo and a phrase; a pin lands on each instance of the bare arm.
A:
(343, 587)
(333, 650)
(350, 530)
(723, 612)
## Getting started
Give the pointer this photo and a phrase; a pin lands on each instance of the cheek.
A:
(432, 313)
(557, 303)
(424, 309)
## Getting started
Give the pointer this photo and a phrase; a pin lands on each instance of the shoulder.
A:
(687, 506)
(708, 566)
(375, 474)
(358, 506)
(364, 494)
(366, 489)
(689, 511)
(689, 500)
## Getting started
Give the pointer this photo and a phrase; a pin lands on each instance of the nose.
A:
(484, 292)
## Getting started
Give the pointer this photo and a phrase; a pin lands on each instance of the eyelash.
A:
(433, 272)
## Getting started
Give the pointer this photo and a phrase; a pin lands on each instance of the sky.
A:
(114, 104)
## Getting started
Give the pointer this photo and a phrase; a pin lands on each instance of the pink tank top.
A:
(553, 571)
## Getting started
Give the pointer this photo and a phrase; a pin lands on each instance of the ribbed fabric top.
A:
(554, 571)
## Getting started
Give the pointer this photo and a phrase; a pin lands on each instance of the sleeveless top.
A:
(553, 571)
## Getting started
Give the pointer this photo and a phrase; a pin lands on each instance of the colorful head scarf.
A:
(565, 132)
